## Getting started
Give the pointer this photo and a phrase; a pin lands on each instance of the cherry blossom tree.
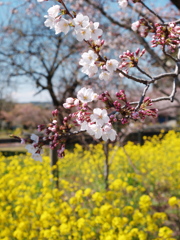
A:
(21, 114)
(99, 122)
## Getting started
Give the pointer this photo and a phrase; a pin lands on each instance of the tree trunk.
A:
(106, 165)
(176, 3)
(55, 170)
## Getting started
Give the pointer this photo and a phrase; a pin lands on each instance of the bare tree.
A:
(32, 53)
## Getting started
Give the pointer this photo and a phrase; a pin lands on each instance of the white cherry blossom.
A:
(90, 70)
(50, 22)
(35, 151)
(62, 26)
(105, 75)
(87, 61)
(37, 156)
(108, 133)
(82, 34)
(68, 103)
(111, 65)
(85, 95)
(95, 130)
(86, 126)
(31, 149)
(135, 26)
(81, 21)
(123, 3)
(35, 138)
(95, 31)
(99, 116)
(88, 57)
(54, 11)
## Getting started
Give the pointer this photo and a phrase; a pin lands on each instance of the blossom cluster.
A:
(86, 30)
(97, 122)
(168, 35)
(142, 201)
(163, 34)
(83, 28)
(89, 61)
(130, 59)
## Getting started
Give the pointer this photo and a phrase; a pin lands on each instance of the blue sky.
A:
(25, 92)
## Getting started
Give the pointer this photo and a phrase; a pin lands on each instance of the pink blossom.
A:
(70, 100)
(67, 105)
(76, 102)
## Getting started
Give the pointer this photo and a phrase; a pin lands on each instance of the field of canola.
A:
(143, 200)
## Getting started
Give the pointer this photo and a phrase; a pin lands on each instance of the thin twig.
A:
(163, 75)
(143, 72)
(140, 80)
(152, 11)
(142, 97)
(167, 54)
(167, 23)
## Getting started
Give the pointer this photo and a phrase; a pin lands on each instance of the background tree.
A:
(26, 116)
(31, 53)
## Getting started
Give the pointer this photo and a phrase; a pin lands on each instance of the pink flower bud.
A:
(55, 112)
(137, 51)
(70, 100)
(66, 105)
(76, 102)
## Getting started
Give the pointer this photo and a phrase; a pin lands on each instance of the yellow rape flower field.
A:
(142, 201)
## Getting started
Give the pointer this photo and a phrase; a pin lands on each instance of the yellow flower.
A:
(128, 210)
(65, 229)
(165, 232)
(145, 203)
(173, 201)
